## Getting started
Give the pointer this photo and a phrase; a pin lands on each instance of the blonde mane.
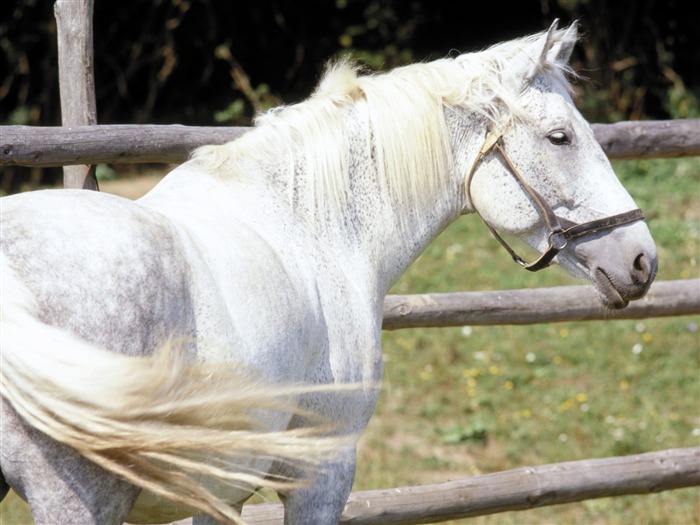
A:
(406, 135)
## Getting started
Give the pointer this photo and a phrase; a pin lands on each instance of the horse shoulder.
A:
(255, 287)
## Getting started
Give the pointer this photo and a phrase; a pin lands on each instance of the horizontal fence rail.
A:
(172, 144)
(106, 144)
(649, 139)
(518, 489)
(533, 306)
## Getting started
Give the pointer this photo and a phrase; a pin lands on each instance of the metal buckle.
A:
(558, 240)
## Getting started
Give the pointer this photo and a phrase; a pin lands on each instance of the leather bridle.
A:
(561, 230)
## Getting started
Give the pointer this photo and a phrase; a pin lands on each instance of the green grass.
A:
(462, 401)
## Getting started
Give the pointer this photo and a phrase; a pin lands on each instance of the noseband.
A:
(561, 230)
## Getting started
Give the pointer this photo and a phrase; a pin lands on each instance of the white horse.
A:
(272, 255)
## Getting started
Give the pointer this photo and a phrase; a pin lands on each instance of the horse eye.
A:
(559, 138)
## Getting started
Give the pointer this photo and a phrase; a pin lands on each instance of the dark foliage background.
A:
(209, 62)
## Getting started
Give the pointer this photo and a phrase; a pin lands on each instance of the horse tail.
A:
(159, 422)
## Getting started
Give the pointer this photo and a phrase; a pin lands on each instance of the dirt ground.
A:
(131, 187)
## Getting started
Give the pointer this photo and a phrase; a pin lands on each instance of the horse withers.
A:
(163, 358)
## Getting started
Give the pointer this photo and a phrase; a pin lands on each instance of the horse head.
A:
(542, 177)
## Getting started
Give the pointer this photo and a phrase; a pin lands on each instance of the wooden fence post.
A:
(76, 78)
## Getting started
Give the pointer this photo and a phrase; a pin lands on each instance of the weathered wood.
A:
(649, 139)
(76, 78)
(532, 306)
(518, 489)
(55, 146)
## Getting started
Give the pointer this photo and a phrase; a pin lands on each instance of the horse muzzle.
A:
(623, 275)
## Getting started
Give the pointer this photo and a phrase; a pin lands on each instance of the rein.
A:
(561, 230)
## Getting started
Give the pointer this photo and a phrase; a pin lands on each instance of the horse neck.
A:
(395, 240)
(379, 235)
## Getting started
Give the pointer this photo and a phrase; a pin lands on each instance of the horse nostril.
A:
(643, 269)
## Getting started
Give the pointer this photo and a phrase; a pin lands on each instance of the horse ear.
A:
(557, 52)
(561, 51)
(536, 66)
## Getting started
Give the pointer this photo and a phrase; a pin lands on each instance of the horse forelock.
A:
(406, 132)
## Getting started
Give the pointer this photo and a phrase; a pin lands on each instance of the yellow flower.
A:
(624, 384)
(581, 397)
(566, 405)
(647, 337)
(564, 332)
(509, 385)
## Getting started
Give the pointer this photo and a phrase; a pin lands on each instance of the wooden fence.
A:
(81, 143)
(171, 144)
(518, 489)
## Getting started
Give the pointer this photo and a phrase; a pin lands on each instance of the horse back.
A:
(129, 276)
(103, 267)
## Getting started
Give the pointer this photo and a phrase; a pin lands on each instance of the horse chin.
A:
(608, 294)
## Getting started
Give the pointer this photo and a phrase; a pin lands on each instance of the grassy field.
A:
(462, 401)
